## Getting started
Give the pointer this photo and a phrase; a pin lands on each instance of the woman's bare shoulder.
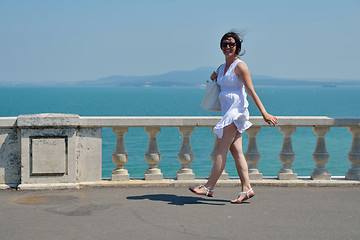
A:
(241, 68)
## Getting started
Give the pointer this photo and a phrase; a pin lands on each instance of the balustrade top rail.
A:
(75, 146)
(199, 121)
(202, 121)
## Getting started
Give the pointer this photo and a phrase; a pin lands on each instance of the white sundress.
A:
(234, 105)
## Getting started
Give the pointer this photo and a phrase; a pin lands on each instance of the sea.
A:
(185, 101)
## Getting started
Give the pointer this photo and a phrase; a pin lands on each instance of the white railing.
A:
(66, 149)
(186, 125)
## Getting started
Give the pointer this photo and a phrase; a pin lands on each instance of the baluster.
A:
(224, 175)
(185, 155)
(287, 155)
(320, 155)
(354, 155)
(153, 155)
(120, 156)
(252, 154)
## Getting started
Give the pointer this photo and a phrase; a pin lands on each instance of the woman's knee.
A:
(236, 148)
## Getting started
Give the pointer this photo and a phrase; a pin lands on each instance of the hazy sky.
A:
(74, 40)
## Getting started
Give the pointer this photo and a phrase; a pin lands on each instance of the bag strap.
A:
(217, 71)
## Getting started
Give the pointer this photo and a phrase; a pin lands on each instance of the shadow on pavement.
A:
(179, 200)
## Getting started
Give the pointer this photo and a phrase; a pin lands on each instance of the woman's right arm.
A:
(243, 73)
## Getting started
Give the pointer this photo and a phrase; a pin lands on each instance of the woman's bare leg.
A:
(229, 133)
(241, 167)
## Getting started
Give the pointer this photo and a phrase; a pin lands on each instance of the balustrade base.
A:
(270, 182)
(153, 174)
(120, 174)
(320, 174)
(120, 177)
(287, 176)
(185, 176)
(353, 174)
(151, 177)
(47, 186)
(255, 176)
(321, 177)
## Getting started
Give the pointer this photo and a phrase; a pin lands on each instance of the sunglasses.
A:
(225, 44)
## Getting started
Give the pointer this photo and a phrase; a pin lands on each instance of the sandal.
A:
(208, 191)
(246, 198)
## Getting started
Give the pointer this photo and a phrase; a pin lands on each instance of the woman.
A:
(233, 78)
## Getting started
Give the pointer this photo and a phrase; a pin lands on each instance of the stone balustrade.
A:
(66, 149)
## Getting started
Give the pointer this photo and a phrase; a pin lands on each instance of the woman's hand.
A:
(213, 76)
(270, 119)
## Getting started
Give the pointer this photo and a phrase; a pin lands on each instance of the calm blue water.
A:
(280, 101)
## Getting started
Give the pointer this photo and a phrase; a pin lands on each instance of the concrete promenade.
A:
(175, 213)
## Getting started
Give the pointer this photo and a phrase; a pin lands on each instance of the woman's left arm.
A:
(243, 73)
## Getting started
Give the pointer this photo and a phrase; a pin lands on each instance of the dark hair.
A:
(238, 41)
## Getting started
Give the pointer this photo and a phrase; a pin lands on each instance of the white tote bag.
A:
(211, 99)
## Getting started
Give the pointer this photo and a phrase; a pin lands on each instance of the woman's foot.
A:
(202, 190)
(243, 196)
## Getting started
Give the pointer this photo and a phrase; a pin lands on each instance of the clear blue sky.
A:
(74, 40)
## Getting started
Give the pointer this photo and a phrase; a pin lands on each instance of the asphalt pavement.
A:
(176, 213)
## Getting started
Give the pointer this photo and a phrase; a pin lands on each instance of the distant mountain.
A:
(170, 79)
(198, 77)
(193, 78)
